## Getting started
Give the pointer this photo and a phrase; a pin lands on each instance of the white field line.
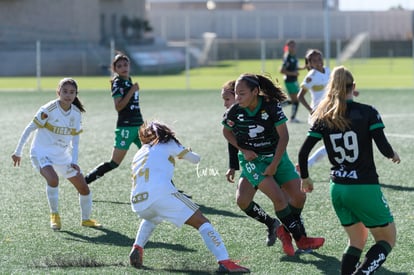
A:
(398, 116)
(399, 135)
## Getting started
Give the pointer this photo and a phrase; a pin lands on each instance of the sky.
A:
(374, 5)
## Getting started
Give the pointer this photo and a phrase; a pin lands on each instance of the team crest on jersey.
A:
(43, 116)
(264, 115)
(308, 79)
(230, 123)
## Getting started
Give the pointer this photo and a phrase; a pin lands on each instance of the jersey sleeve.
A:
(376, 126)
(179, 151)
(307, 81)
(117, 88)
(41, 117)
(285, 63)
(24, 137)
(279, 116)
(375, 120)
(229, 117)
(233, 159)
(75, 149)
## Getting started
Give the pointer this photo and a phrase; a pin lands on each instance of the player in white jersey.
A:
(54, 149)
(315, 82)
(155, 199)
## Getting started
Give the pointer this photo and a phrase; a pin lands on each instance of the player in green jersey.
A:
(290, 69)
(347, 129)
(256, 126)
(125, 94)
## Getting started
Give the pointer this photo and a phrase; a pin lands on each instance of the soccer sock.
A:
(350, 260)
(100, 170)
(295, 106)
(213, 241)
(291, 223)
(52, 194)
(256, 212)
(85, 202)
(317, 156)
(144, 233)
(374, 258)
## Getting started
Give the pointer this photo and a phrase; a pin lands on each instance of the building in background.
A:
(75, 35)
(275, 5)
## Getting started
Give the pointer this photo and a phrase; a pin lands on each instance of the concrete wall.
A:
(270, 24)
(64, 20)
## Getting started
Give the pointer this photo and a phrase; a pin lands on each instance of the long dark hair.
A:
(269, 89)
(71, 81)
(156, 132)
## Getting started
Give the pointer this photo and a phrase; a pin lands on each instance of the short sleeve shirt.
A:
(131, 114)
(256, 130)
(291, 64)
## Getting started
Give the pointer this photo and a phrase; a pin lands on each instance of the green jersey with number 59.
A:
(350, 152)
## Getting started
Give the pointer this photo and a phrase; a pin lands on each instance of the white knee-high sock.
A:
(213, 241)
(52, 194)
(85, 203)
(144, 233)
(317, 156)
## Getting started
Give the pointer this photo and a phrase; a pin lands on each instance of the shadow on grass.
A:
(110, 237)
(112, 202)
(397, 187)
(115, 238)
(212, 211)
(176, 247)
(326, 264)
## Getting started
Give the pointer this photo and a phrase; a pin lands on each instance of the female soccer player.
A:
(155, 199)
(126, 99)
(290, 69)
(54, 149)
(347, 129)
(315, 83)
(256, 126)
(251, 208)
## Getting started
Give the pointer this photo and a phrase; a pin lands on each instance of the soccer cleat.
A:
(135, 256)
(271, 233)
(286, 239)
(55, 221)
(188, 196)
(91, 223)
(306, 243)
(228, 266)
